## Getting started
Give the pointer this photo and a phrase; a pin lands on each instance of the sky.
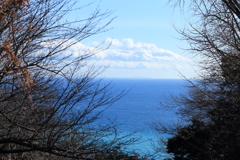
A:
(144, 41)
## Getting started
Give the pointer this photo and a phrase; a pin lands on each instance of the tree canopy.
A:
(211, 106)
(48, 95)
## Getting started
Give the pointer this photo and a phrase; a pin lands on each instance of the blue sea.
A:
(141, 107)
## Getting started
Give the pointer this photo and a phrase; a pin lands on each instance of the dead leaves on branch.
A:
(10, 10)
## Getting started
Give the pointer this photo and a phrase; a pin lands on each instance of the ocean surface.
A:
(141, 107)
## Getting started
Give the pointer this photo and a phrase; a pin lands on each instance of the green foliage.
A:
(187, 144)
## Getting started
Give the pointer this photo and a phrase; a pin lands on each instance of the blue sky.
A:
(144, 41)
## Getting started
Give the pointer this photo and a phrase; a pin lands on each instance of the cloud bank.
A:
(127, 58)
(126, 53)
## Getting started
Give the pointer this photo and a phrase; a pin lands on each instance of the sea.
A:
(142, 106)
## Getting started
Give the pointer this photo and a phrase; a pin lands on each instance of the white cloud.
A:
(126, 53)
(125, 56)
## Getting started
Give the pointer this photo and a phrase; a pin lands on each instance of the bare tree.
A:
(215, 38)
(48, 96)
(211, 106)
